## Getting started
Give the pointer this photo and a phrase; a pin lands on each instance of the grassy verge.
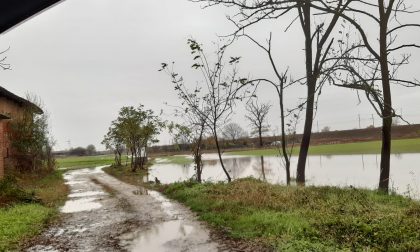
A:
(85, 161)
(21, 222)
(26, 216)
(125, 174)
(304, 219)
(373, 147)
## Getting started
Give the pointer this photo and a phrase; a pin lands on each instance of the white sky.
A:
(88, 58)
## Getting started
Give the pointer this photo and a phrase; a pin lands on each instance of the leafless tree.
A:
(370, 65)
(318, 42)
(192, 133)
(233, 131)
(257, 116)
(218, 90)
(3, 64)
(282, 82)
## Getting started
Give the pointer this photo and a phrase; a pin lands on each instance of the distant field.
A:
(374, 147)
(85, 161)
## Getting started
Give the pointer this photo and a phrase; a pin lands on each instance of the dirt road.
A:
(105, 214)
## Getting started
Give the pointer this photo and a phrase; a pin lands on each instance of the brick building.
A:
(11, 108)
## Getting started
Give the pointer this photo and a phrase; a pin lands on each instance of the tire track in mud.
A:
(105, 214)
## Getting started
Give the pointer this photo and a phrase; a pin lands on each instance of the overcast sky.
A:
(88, 58)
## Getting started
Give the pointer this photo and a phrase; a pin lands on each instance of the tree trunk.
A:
(283, 135)
(311, 85)
(197, 155)
(262, 168)
(132, 158)
(220, 154)
(260, 136)
(387, 108)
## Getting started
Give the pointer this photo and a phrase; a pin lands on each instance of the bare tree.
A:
(280, 84)
(318, 43)
(114, 142)
(218, 91)
(192, 134)
(233, 131)
(371, 64)
(3, 64)
(257, 115)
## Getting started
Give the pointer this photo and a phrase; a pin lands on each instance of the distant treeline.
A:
(330, 137)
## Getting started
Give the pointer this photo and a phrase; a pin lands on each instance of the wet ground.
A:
(105, 214)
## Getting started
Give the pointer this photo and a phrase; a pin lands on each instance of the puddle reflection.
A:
(80, 205)
(335, 170)
(159, 237)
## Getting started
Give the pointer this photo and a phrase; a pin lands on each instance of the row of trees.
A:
(333, 55)
(81, 151)
(135, 129)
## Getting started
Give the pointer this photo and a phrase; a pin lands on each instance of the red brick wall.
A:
(13, 110)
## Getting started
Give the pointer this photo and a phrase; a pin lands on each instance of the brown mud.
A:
(106, 214)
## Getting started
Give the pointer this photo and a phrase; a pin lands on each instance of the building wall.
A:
(14, 111)
(10, 108)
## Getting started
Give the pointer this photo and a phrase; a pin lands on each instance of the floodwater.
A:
(360, 171)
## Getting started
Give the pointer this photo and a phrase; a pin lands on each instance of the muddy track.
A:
(105, 214)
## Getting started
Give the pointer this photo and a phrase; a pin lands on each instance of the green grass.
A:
(373, 147)
(125, 174)
(49, 188)
(21, 222)
(85, 161)
(24, 217)
(304, 218)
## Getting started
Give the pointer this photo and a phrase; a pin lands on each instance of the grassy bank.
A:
(125, 174)
(28, 206)
(85, 161)
(304, 219)
(373, 147)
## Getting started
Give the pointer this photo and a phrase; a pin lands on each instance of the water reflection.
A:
(336, 170)
(158, 237)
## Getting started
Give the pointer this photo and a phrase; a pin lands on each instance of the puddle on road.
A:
(85, 194)
(80, 205)
(141, 191)
(161, 237)
(166, 205)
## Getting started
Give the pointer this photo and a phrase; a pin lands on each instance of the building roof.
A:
(19, 100)
(13, 12)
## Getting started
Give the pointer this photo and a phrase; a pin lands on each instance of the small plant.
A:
(11, 193)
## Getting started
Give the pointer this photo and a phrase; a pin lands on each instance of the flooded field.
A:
(360, 171)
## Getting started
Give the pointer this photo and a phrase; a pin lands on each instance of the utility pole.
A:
(359, 122)
(373, 121)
